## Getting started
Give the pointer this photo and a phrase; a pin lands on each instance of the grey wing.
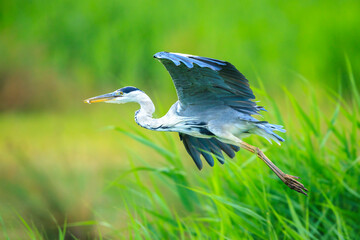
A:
(209, 82)
(207, 146)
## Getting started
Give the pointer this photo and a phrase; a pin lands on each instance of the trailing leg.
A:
(287, 179)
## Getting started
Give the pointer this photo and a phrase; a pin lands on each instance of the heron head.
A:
(122, 95)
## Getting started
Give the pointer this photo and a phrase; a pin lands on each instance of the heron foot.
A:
(293, 184)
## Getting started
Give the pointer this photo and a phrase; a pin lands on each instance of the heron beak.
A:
(101, 98)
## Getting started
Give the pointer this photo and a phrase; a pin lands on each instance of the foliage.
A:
(64, 175)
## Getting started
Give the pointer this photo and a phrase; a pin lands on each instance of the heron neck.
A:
(143, 116)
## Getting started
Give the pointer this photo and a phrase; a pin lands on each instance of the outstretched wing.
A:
(207, 81)
(207, 146)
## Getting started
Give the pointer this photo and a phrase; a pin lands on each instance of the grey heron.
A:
(213, 113)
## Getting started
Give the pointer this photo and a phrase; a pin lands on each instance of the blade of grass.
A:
(3, 228)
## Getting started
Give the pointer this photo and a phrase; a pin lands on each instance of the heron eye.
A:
(121, 93)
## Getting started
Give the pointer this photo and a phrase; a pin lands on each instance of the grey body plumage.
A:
(213, 113)
(219, 95)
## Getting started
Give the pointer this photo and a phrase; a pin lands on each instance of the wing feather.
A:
(205, 81)
(205, 146)
(208, 82)
(192, 151)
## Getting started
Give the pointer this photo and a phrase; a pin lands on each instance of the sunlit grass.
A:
(241, 199)
(70, 170)
(245, 200)
(139, 184)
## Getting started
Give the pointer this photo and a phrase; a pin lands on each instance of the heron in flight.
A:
(213, 113)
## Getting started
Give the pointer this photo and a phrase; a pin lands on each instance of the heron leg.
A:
(289, 180)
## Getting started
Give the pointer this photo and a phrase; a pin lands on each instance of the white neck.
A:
(143, 116)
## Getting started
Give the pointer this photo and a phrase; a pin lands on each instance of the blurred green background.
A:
(65, 174)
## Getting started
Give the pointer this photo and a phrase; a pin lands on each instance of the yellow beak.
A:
(101, 98)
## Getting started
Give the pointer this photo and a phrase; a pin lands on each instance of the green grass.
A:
(81, 47)
(244, 199)
(70, 170)
(161, 195)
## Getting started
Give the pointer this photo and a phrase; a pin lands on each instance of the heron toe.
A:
(293, 184)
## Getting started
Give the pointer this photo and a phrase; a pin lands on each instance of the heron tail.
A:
(266, 130)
